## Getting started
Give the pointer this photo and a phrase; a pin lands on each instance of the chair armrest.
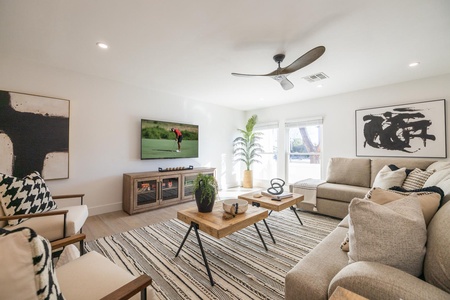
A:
(68, 240)
(37, 215)
(130, 289)
(69, 197)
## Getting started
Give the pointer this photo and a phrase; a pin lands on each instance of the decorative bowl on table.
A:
(229, 206)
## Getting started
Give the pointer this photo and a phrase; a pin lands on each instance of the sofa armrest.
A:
(81, 196)
(377, 281)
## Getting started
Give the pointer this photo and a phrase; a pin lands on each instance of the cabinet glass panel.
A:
(146, 192)
(169, 188)
(189, 185)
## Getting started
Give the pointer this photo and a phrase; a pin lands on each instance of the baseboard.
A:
(103, 209)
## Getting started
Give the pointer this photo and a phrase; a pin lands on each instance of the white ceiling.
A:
(189, 48)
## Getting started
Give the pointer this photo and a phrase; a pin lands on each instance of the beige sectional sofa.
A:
(348, 178)
(326, 267)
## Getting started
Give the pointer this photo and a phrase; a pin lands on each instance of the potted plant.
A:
(205, 190)
(247, 149)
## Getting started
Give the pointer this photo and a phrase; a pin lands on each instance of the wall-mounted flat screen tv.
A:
(161, 139)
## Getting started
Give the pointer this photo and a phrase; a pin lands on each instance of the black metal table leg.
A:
(203, 254)
(295, 211)
(270, 233)
(270, 212)
(195, 226)
(260, 236)
(184, 240)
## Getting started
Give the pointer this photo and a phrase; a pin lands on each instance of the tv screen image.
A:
(159, 140)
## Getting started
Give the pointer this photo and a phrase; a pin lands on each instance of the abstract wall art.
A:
(407, 130)
(34, 135)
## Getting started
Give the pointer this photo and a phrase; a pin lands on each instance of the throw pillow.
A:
(387, 178)
(393, 234)
(28, 195)
(27, 269)
(416, 179)
(429, 199)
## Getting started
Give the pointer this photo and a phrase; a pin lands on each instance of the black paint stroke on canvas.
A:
(33, 136)
(394, 130)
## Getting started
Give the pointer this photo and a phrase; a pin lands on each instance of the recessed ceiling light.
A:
(414, 64)
(102, 45)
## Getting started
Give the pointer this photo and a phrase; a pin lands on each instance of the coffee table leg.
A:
(203, 253)
(268, 229)
(184, 240)
(295, 211)
(260, 236)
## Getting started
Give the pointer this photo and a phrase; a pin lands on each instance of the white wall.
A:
(339, 111)
(105, 129)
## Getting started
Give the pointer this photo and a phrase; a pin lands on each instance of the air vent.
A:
(316, 77)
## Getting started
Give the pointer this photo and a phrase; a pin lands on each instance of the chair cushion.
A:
(51, 227)
(26, 267)
(394, 234)
(86, 272)
(24, 196)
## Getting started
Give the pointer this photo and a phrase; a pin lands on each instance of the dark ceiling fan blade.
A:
(304, 60)
(284, 82)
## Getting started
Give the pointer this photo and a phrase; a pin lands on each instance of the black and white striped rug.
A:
(240, 266)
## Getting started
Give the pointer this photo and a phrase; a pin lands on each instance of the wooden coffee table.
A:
(213, 224)
(273, 205)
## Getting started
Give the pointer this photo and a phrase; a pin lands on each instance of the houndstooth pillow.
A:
(27, 268)
(24, 196)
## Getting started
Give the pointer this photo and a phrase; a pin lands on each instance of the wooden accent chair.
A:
(54, 224)
(28, 273)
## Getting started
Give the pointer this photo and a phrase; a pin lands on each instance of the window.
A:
(263, 172)
(304, 154)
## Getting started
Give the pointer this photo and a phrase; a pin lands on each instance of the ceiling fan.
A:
(281, 74)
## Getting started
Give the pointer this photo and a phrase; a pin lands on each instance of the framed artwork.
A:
(34, 135)
(408, 130)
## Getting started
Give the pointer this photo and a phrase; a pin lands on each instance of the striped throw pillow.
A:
(416, 179)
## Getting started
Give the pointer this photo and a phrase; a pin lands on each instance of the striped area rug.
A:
(240, 266)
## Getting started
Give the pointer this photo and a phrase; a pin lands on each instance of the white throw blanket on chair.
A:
(308, 188)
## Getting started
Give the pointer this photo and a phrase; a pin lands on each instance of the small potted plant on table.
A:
(205, 190)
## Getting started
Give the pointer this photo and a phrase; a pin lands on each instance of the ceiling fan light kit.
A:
(280, 74)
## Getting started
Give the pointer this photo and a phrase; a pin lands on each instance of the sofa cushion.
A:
(341, 192)
(26, 195)
(437, 260)
(309, 279)
(416, 179)
(388, 178)
(410, 163)
(429, 199)
(26, 266)
(393, 234)
(350, 171)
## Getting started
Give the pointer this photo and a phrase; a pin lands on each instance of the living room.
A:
(105, 111)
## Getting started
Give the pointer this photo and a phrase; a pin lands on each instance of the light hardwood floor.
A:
(119, 221)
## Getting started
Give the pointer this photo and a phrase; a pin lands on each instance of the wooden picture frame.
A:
(404, 130)
(34, 135)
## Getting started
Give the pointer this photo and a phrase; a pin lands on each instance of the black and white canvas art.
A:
(34, 135)
(408, 130)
